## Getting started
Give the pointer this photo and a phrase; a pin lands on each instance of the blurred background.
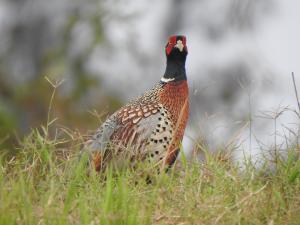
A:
(241, 55)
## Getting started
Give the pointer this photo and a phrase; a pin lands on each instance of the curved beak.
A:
(179, 45)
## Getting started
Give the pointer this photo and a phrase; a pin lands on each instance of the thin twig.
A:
(249, 94)
(296, 93)
(55, 86)
(227, 209)
(298, 103)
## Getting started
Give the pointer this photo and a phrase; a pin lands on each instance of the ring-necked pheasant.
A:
(151, 126)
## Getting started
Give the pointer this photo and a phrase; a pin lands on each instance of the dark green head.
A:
(176, 52)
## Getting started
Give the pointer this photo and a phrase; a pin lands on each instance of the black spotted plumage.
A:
(152, 125)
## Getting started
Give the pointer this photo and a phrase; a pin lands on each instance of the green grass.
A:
(48, 184)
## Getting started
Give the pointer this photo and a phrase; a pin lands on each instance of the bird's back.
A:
(151, 126)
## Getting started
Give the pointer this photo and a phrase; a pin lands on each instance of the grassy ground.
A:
(43, 184)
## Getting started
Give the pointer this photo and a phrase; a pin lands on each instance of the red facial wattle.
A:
(171, 43)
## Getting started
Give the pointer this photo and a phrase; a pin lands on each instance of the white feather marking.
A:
(166, 80)
(131, 115)
(130, 142)
(136, 120)
(147, 114)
